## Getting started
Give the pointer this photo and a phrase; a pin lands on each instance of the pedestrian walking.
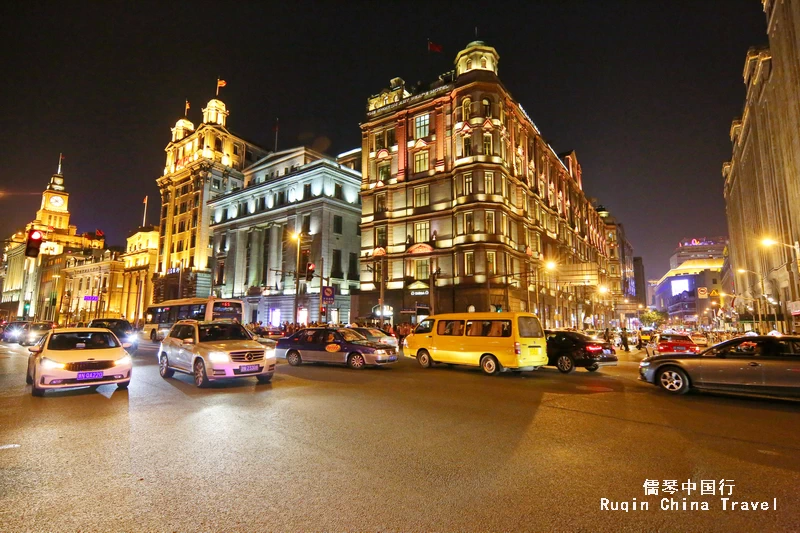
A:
(607, 335)
(624, 338)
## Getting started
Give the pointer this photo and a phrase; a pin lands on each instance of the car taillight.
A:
(517, 348)
(696, 349)
(662, 347)
(594, 348)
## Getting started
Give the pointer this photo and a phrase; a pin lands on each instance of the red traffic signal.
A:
(323, 311)
(34, 243)
(310, 271)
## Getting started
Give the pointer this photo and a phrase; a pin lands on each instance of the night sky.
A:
(644, 91)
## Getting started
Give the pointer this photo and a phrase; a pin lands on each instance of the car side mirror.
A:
(126, 345)
(35, 349)
(188, 341)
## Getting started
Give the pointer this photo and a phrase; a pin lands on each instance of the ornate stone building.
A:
(762, 179)
(465, 204)
(140, 257)
(255, 252)
(201, 164)
(93, 283)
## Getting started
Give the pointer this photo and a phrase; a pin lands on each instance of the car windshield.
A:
(350, 336)
(371, 332)
(40, 327)
(82, 340)
(222, 332)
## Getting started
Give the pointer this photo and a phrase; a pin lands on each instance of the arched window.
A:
(483, 62)
(467, 145)
(385, 100)
(466, 108)
(487, 144)
(487, 108)
(469, 64)
(218, 144)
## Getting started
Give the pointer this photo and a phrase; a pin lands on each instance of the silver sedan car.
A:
(762, 366)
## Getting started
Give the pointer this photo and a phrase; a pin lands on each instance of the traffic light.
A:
(323, 311)
(33, 243)
(309, 271)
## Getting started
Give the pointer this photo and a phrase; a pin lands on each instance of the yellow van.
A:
(496, 342)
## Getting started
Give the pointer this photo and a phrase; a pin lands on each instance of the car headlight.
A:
(15, 332)
(380, 352)
(644, 363)
(49, 364)
(124, 360)
(218, 357)
(269, 352)
(131, 338)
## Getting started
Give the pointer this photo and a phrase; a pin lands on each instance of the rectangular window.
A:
(306, 191)
(337, 224)
(421, 198)
(306, 224)
(488, 328)
(380, 237)
(491, 263)
(488, 186)
(422, 231)
(469, 226)
(384, 172)
(338, 192)
(421, 270)
(469, 263)
(504, 224)
(450, 328)
(380, 202)
(380, 141)
(421, 126)
(352, 266)
(390, 138)
(490, 228)
(467, 184)
(336, 266)
(421, 161)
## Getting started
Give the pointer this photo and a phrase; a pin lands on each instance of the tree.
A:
(653, 318)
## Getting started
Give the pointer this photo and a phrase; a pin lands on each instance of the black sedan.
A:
(762, 366)
(567, 350)
(333, 345)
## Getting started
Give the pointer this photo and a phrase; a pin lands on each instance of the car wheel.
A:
(200, 376)
(593, 368)
(424, 359)
(153, 335)
(356, 361)
(489, 365)
(163, 367)
(28, 378)
(565, 364)
(264, 378)
(673, 380)
(123, 385)
(35, 390)
(294, 359)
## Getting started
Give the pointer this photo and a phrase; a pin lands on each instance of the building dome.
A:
(477, 56)
(215, 112)
(182, 128)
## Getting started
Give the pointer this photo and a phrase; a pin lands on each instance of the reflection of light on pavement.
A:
(594, 389)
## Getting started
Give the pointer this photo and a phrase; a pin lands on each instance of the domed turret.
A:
(215, 112)
(182, 128)
(477, 56)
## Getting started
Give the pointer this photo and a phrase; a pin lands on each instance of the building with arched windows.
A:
(466, 206)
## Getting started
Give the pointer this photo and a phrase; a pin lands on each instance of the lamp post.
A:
(298, 236)
(54, 309)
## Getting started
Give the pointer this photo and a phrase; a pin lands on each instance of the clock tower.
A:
(55, 201)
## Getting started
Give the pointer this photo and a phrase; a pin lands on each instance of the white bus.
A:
(160, 318)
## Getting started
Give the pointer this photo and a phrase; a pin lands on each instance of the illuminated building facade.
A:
(23, 294)
(202, 164)
(465, 203)
(700, 248)
(255, 254)
(691, 293)
(762, 179)
(140, 258)
(93, 283)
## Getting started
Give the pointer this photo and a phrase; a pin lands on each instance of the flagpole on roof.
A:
(217, 86)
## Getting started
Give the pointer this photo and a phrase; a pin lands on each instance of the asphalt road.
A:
(399, 448)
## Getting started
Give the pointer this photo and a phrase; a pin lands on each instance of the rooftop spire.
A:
(60, 157)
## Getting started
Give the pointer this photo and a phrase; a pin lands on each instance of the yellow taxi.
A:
(496, 342)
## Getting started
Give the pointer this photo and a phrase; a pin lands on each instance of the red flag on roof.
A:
(99, 233)
(434, 47)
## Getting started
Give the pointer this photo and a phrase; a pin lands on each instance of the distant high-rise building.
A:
(702, 248)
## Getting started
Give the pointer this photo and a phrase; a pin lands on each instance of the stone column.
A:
(256, 257)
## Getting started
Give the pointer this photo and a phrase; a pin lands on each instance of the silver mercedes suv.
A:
(214, 350)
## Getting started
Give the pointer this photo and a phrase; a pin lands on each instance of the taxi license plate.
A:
(680, 348)
(248, 368)
(606, 352)
(89, 375)
(393, 358)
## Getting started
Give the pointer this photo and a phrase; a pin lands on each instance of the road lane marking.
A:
(9, 446)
